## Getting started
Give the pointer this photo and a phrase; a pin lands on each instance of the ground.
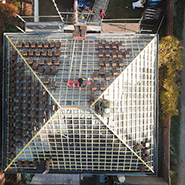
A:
(63, 6)
(122, 9)
(182, 122)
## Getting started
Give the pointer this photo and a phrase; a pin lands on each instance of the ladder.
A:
(75, 83)
(81, 59)
(72, 58)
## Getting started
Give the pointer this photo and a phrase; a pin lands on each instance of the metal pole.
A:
(81, 60)
(20, 18)
(58, 10)
(20, 29)
(36, 10)
(72, 58)
(160, 24)
(76, 10)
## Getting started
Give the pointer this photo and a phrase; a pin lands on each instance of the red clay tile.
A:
(53, 85)
(57, 61)
(95, 76)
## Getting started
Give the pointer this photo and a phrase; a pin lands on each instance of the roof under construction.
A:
(45, 117)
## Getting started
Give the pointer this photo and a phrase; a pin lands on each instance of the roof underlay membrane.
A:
(69, 129)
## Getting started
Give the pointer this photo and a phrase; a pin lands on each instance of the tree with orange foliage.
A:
(8, 18)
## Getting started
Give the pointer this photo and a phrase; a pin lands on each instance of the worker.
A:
(83, 82)
(43, 165)
(47, 162)
(102, 14)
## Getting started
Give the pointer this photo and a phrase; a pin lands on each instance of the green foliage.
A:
(17, 4)
(170, 67)
(27, 177)
(106, 104)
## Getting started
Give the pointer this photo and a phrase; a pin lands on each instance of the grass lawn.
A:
(178, 18)
(174, 148)
(122, 9)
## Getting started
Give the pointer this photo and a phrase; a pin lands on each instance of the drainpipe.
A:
(76, 10)
(36, 10)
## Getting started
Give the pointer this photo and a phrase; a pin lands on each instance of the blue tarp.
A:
(152, 3)
(82, 4)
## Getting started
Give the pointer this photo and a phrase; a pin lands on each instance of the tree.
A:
(8, 16)
(170, 67)
(8, 21)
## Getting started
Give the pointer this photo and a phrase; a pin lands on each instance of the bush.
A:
(8, 16)
(170, 67)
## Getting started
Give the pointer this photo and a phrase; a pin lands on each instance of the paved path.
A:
(182, 122)
(99, 4)
(67, 179)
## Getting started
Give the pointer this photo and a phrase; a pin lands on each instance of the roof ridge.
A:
(108, 87)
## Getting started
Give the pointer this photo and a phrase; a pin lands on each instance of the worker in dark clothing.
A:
(47, 165)
(83, 82)
(43, 166)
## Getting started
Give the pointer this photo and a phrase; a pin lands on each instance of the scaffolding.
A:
(77, 138)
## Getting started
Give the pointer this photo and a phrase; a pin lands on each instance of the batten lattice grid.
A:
(78, 140)
(24, 91)
(73, 130)
(68, 96)
(133, 102)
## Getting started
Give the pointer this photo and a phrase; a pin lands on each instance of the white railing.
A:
(136, 20)
(68, 18)
(58, 10)
(128, 20)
